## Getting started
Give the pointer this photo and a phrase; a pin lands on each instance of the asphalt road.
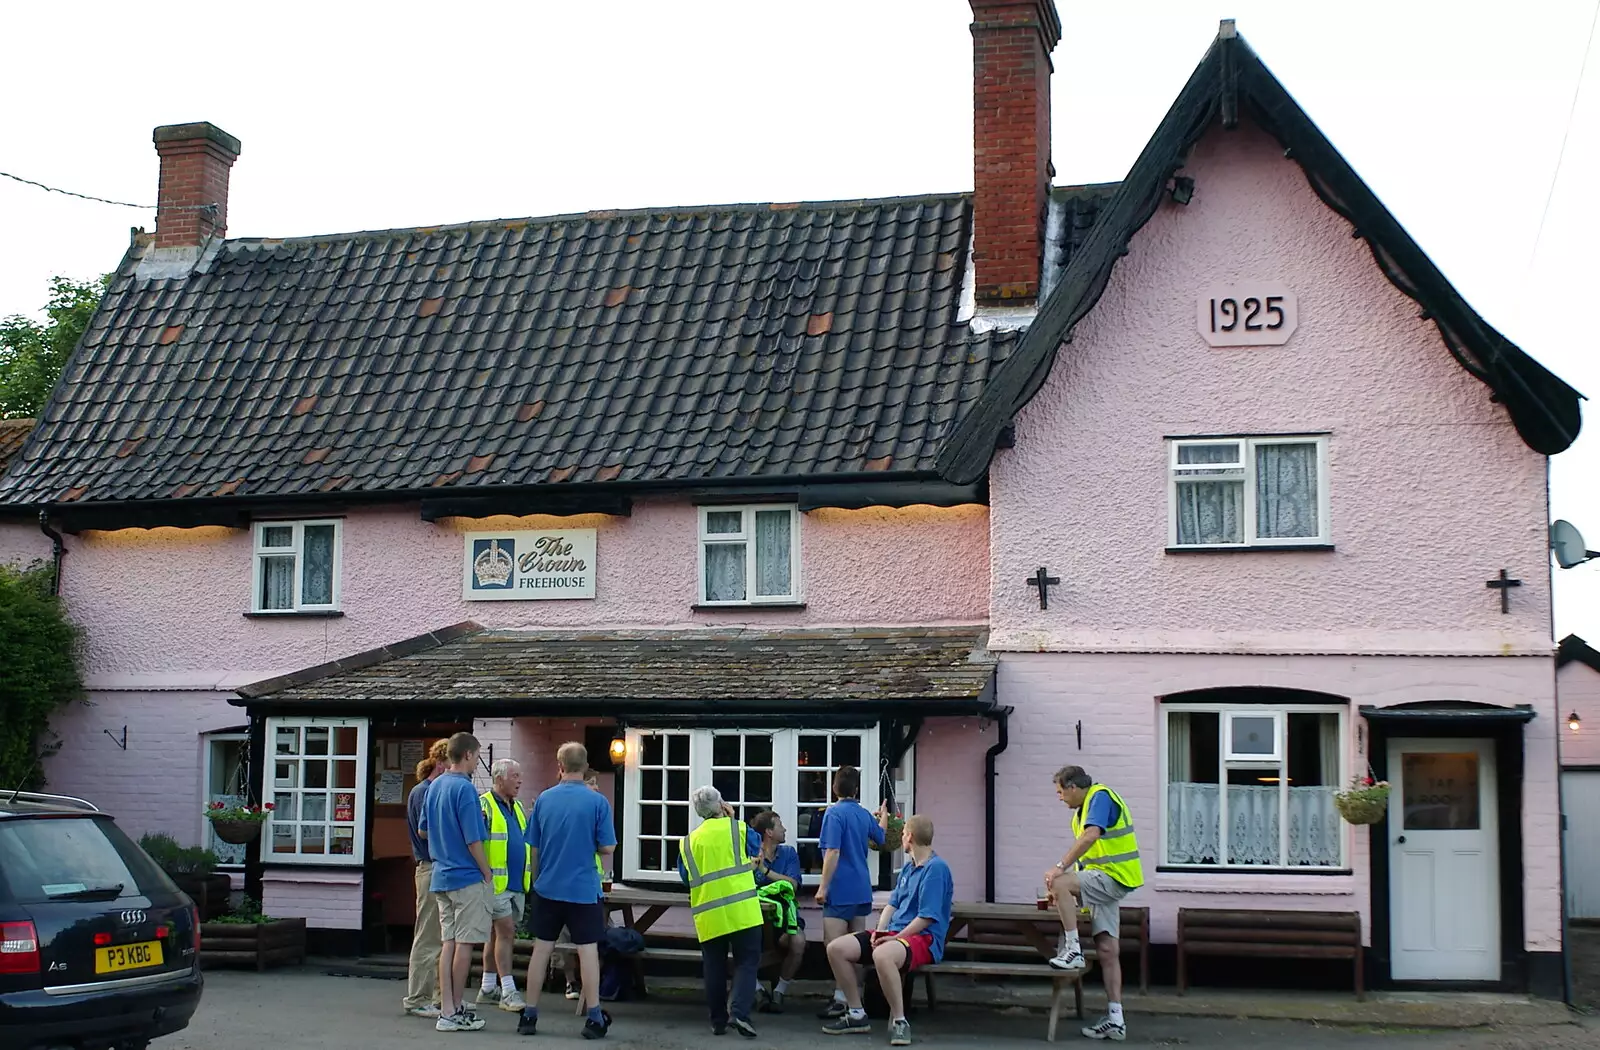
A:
(305, 1009)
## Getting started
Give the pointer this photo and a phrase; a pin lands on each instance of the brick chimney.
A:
(1011, 45)
(192, 204)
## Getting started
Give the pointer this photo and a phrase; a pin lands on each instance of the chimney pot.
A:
(192, 202)
(1011, 45)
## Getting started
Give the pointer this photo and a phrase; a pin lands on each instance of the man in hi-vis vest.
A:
(1107, 853)
(510, 866)
(715, 861)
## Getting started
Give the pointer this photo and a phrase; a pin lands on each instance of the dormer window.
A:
(749, 555)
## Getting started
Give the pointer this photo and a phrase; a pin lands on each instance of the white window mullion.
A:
(1222, 793)
(1283, 790)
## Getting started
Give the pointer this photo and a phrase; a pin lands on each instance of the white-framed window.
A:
(789, 770)
(1232, 773)
(297, 566)
(227, 780)
(1248, 492)
(749, 555)
(315, 772)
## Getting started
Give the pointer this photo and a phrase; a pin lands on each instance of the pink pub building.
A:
(1146, 477)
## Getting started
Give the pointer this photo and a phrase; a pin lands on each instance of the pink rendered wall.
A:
(1432, 490)
(1115, 697)
(1578, 689)
(949, 788)
(164, 607)
(155, 785)
(21, 544)
(329, 900)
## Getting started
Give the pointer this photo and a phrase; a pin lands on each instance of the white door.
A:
(1580, 791)
(1444, 881)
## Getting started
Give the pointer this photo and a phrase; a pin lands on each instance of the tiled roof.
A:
(735, 671)
(13, 432)
(752, 341)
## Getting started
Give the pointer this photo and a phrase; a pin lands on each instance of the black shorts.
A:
(586, 923)
(864, 939)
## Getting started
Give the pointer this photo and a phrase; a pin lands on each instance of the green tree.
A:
(32, 355)
(38, 672)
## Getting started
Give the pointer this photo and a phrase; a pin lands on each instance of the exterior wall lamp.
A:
(618, 749)
(1574, 723)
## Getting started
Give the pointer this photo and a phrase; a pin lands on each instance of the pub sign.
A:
(528, 566)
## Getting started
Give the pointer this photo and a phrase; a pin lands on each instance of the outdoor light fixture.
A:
(1182, 189)
(618, 749)
(1574, 723)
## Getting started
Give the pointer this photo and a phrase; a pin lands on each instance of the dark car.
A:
(98, 949)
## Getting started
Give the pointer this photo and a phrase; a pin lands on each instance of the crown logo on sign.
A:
(492, 568)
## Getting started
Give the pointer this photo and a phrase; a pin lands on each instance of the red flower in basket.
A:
(1367, 781)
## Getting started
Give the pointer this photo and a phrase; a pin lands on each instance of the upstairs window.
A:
(1248, 492)
(296, 566)
(749, 555)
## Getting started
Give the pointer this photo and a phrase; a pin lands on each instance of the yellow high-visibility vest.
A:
(722, 885)
(1116, 852)
(495, 848)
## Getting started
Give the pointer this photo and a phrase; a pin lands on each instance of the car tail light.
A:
(102, 940)
(163, 932)
(19, 948)
(194, 924)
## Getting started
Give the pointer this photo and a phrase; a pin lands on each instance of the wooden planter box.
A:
(259, 945)
(210, 892)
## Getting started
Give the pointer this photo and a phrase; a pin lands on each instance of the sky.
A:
(368, 116)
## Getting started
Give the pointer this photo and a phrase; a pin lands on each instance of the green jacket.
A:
(781, 893)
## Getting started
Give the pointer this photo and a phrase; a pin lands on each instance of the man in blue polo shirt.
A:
(461, 879)
(910, 935)
(569, 826)
(845, 890)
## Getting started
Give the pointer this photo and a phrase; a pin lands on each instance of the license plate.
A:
(127, 957)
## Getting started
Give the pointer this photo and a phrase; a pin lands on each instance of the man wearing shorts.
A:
(569, 825)
(1108, 854)
(456, 833)
(910, 934)
(508, 863)
(845, 891)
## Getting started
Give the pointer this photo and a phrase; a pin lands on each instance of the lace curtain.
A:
(772, 552)
(316, 574)
(1193, 825)
(1210, 511)
(277, 583)
(1286, 491)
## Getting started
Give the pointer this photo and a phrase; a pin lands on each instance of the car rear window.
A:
(59, 858)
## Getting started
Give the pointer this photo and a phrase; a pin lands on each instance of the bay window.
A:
(1251, 786)
(315, 772)
(787, 770)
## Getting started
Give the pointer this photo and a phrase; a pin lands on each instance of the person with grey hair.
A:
(715, 863)
(510, 867)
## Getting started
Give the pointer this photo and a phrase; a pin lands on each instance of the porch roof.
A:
(864, 671)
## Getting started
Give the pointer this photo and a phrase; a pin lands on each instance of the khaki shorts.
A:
(508, 904)
(1102, 895)
(464, 914)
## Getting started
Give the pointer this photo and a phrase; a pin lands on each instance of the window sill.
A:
(745, 606)
(1267, 882)
(1259, 548)
(296, 614)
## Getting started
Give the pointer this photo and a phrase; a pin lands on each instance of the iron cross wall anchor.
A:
(1503, 583)
(1042, 580)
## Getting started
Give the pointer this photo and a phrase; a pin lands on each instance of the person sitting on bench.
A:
(910, 934)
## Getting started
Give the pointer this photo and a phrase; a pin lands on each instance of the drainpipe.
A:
(1002, 716)
(57, 550)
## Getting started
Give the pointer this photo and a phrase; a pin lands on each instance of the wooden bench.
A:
(1059, 980)
(1134, 935)
(1269, 934)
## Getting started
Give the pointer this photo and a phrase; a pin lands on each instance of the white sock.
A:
(857, 1013)
(1072, 941)
(508, 983)
(782, 987)
(1114, 1011)
(488, 981)
(898, 1020)
(838, 996)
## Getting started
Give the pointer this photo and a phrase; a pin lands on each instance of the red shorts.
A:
(919, 949)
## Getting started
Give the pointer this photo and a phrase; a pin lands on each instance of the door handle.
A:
(1401, 840)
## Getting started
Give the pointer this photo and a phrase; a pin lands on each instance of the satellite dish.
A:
(1567, 542)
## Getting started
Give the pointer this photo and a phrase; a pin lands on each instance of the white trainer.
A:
(1069, 958)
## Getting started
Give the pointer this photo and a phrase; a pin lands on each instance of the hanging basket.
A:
(891, 837)
(237, 832)
(1366, 805)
